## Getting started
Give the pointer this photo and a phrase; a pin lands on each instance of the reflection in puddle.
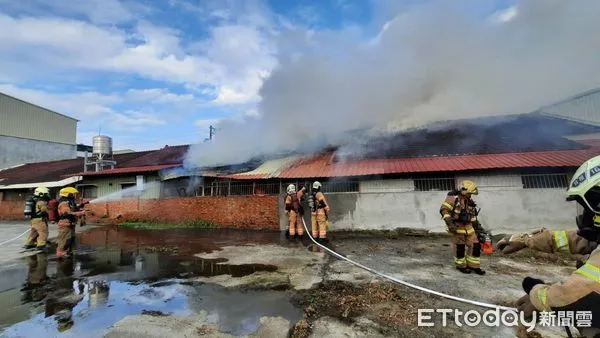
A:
(86, 294)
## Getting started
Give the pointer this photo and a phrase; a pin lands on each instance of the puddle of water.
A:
(118, 273)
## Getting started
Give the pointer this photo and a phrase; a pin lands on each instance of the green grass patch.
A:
(197, 224)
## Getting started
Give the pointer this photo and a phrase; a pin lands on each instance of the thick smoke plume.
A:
(433, 62)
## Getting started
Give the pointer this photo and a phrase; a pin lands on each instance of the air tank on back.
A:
(102, 146)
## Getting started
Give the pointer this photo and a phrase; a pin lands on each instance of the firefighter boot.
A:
(463, 270)
(478, 271)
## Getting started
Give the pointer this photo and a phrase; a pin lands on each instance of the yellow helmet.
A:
(65, 192)
(41, 191)
(469, 187)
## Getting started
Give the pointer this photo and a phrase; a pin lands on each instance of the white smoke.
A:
(434, 62)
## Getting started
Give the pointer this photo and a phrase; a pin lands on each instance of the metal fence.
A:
(545, 181)
(237, 189)
(404, 185)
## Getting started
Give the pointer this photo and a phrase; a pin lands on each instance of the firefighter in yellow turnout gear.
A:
(68, 217)
(39, 220)
(581, 291)
(319, 213)
(459, 212)
(294, 210)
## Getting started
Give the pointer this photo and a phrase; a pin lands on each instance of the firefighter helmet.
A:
(41, 191)
(469, 187)
(317, 185)
(585, 185)
(291, 189)
(65, 192)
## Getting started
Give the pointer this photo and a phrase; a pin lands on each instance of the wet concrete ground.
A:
(116, 273)
(139, 283)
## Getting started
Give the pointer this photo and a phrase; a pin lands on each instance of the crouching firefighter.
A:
(460, 215)
(39, 219)
(319, 213)
(580, 293)
(67, 219)
(294, 211)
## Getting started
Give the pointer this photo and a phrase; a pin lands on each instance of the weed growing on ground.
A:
(198, 224)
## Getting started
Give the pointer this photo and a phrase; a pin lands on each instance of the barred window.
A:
(88, 191)
(545, 181)
(435, 184)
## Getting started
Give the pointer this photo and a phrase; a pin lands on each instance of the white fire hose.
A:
(398, 281)
(12, 239)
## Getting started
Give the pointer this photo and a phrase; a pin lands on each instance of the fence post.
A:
(229, 188)
(253, 188)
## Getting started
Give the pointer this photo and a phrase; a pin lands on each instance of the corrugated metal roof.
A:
(269, 169)
(323, 166)
(51, 171)
(128, 170)
(584, 107)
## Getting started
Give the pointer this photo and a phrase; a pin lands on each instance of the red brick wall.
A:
(12, 210)
(255, 212)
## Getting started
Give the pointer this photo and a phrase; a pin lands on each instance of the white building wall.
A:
(505, 206)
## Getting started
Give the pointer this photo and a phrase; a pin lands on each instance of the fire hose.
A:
(398, 281)
(17, 237)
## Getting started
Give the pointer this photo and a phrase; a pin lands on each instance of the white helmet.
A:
(585, 185)
(291, 189)
(317, 185)
(41, 191)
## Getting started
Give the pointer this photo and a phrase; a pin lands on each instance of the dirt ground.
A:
(340, 299)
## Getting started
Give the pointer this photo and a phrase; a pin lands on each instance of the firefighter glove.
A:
(529, 283)
(525, 306)
(450, 223)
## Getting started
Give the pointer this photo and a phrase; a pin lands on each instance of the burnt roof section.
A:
(515, 134)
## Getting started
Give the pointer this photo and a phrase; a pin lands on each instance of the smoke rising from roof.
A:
(432, 62)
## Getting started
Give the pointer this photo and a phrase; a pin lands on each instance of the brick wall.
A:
(250, 212)
(12, 210)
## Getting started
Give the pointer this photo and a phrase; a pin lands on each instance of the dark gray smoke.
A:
(432, 62)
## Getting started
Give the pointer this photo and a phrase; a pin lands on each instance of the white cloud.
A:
(157, 95)
(96, 11)
(232, 59)
(504, 15)
(77, 105)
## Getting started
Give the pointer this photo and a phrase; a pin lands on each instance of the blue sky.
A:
(155, 72)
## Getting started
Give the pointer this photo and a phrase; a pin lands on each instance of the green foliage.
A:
(199, 224)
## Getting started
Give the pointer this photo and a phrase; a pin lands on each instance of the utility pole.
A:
(211, 132)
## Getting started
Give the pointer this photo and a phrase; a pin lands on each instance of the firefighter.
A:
(294, 210)
(68, 217)
(459, 212)
(581, 291)
(39, 220)
(319, 213)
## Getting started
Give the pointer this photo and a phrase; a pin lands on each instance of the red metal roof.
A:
(143, 161)
(323, 166)
(128, 170)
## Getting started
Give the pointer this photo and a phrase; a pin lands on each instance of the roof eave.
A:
(50, 184)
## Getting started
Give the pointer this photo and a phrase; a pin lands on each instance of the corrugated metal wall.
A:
(25, 120)
(585, 108)
(112, 185)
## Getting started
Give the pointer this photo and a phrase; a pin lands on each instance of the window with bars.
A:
(435, 184)
(88, 191)
(545, 181)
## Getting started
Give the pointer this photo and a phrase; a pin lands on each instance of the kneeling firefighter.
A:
(68, 217)
(294, 210)
(319, 212)
(581, 291)
(39, 219)
(459, 212)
